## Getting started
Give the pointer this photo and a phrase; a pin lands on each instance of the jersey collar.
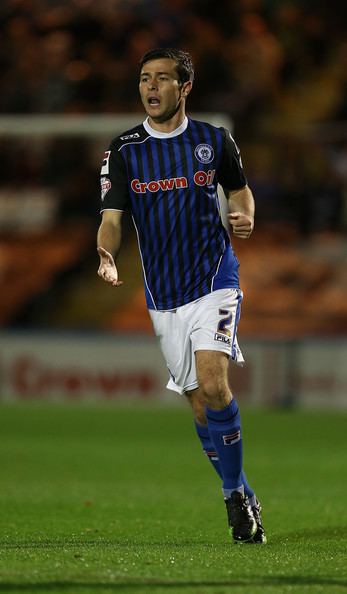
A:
(158, 134)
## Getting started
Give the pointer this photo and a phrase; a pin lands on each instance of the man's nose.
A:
(152, 85)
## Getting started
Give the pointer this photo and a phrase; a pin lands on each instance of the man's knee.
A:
(212, 377)
(216, 394)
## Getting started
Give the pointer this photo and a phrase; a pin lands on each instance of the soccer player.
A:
(165, 171)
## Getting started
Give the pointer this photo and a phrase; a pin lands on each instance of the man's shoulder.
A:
(200, 125)
(136, 134)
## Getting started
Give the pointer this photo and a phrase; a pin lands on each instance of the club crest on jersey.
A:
(105, 186)
(204, 153)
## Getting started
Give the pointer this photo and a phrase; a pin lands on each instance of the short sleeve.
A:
(230, 173)
(113, 180)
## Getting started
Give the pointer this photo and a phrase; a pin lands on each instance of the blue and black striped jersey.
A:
(169, 184)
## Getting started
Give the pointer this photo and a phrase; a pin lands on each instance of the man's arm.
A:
(108, 245)
(241, 211)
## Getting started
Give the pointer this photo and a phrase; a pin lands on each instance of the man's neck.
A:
(169, 125)
(160, 134)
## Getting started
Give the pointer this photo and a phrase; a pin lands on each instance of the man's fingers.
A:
(107, 269)
(242, 234)
(241, 224)
(243, 219)
(110, 276)
(242, 227)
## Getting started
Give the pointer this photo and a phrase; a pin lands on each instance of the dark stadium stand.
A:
(277, 69)
(290, 289)
(30, 264)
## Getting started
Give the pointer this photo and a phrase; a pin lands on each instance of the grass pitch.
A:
(105, 499)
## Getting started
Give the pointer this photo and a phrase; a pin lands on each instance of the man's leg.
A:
(224, 427)
(180, 352)
(196, 400)
(222, 414)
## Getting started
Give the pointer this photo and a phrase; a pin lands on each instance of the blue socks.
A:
(225, 430)
(208, 447)
(221, 441)
(248, 489)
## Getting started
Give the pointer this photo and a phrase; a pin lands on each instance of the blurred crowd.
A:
(82, 56)
(277, 68)
(274, 66)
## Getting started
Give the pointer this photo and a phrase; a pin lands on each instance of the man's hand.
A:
(241, 224)
(107, 269)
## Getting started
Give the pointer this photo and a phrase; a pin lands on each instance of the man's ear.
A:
(186, 88)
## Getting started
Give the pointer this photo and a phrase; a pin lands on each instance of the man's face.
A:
(160, 88)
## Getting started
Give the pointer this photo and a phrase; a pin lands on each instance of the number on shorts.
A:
(225, 323)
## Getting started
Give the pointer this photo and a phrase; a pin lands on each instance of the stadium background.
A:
(277, 72)
(103, 484)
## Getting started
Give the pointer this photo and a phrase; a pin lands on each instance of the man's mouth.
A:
(153, 101)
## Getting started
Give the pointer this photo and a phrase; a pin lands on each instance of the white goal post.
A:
(87, 124)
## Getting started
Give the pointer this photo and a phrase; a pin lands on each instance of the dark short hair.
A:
(184, 64)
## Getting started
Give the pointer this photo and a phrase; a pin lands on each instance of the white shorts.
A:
(209, 323)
